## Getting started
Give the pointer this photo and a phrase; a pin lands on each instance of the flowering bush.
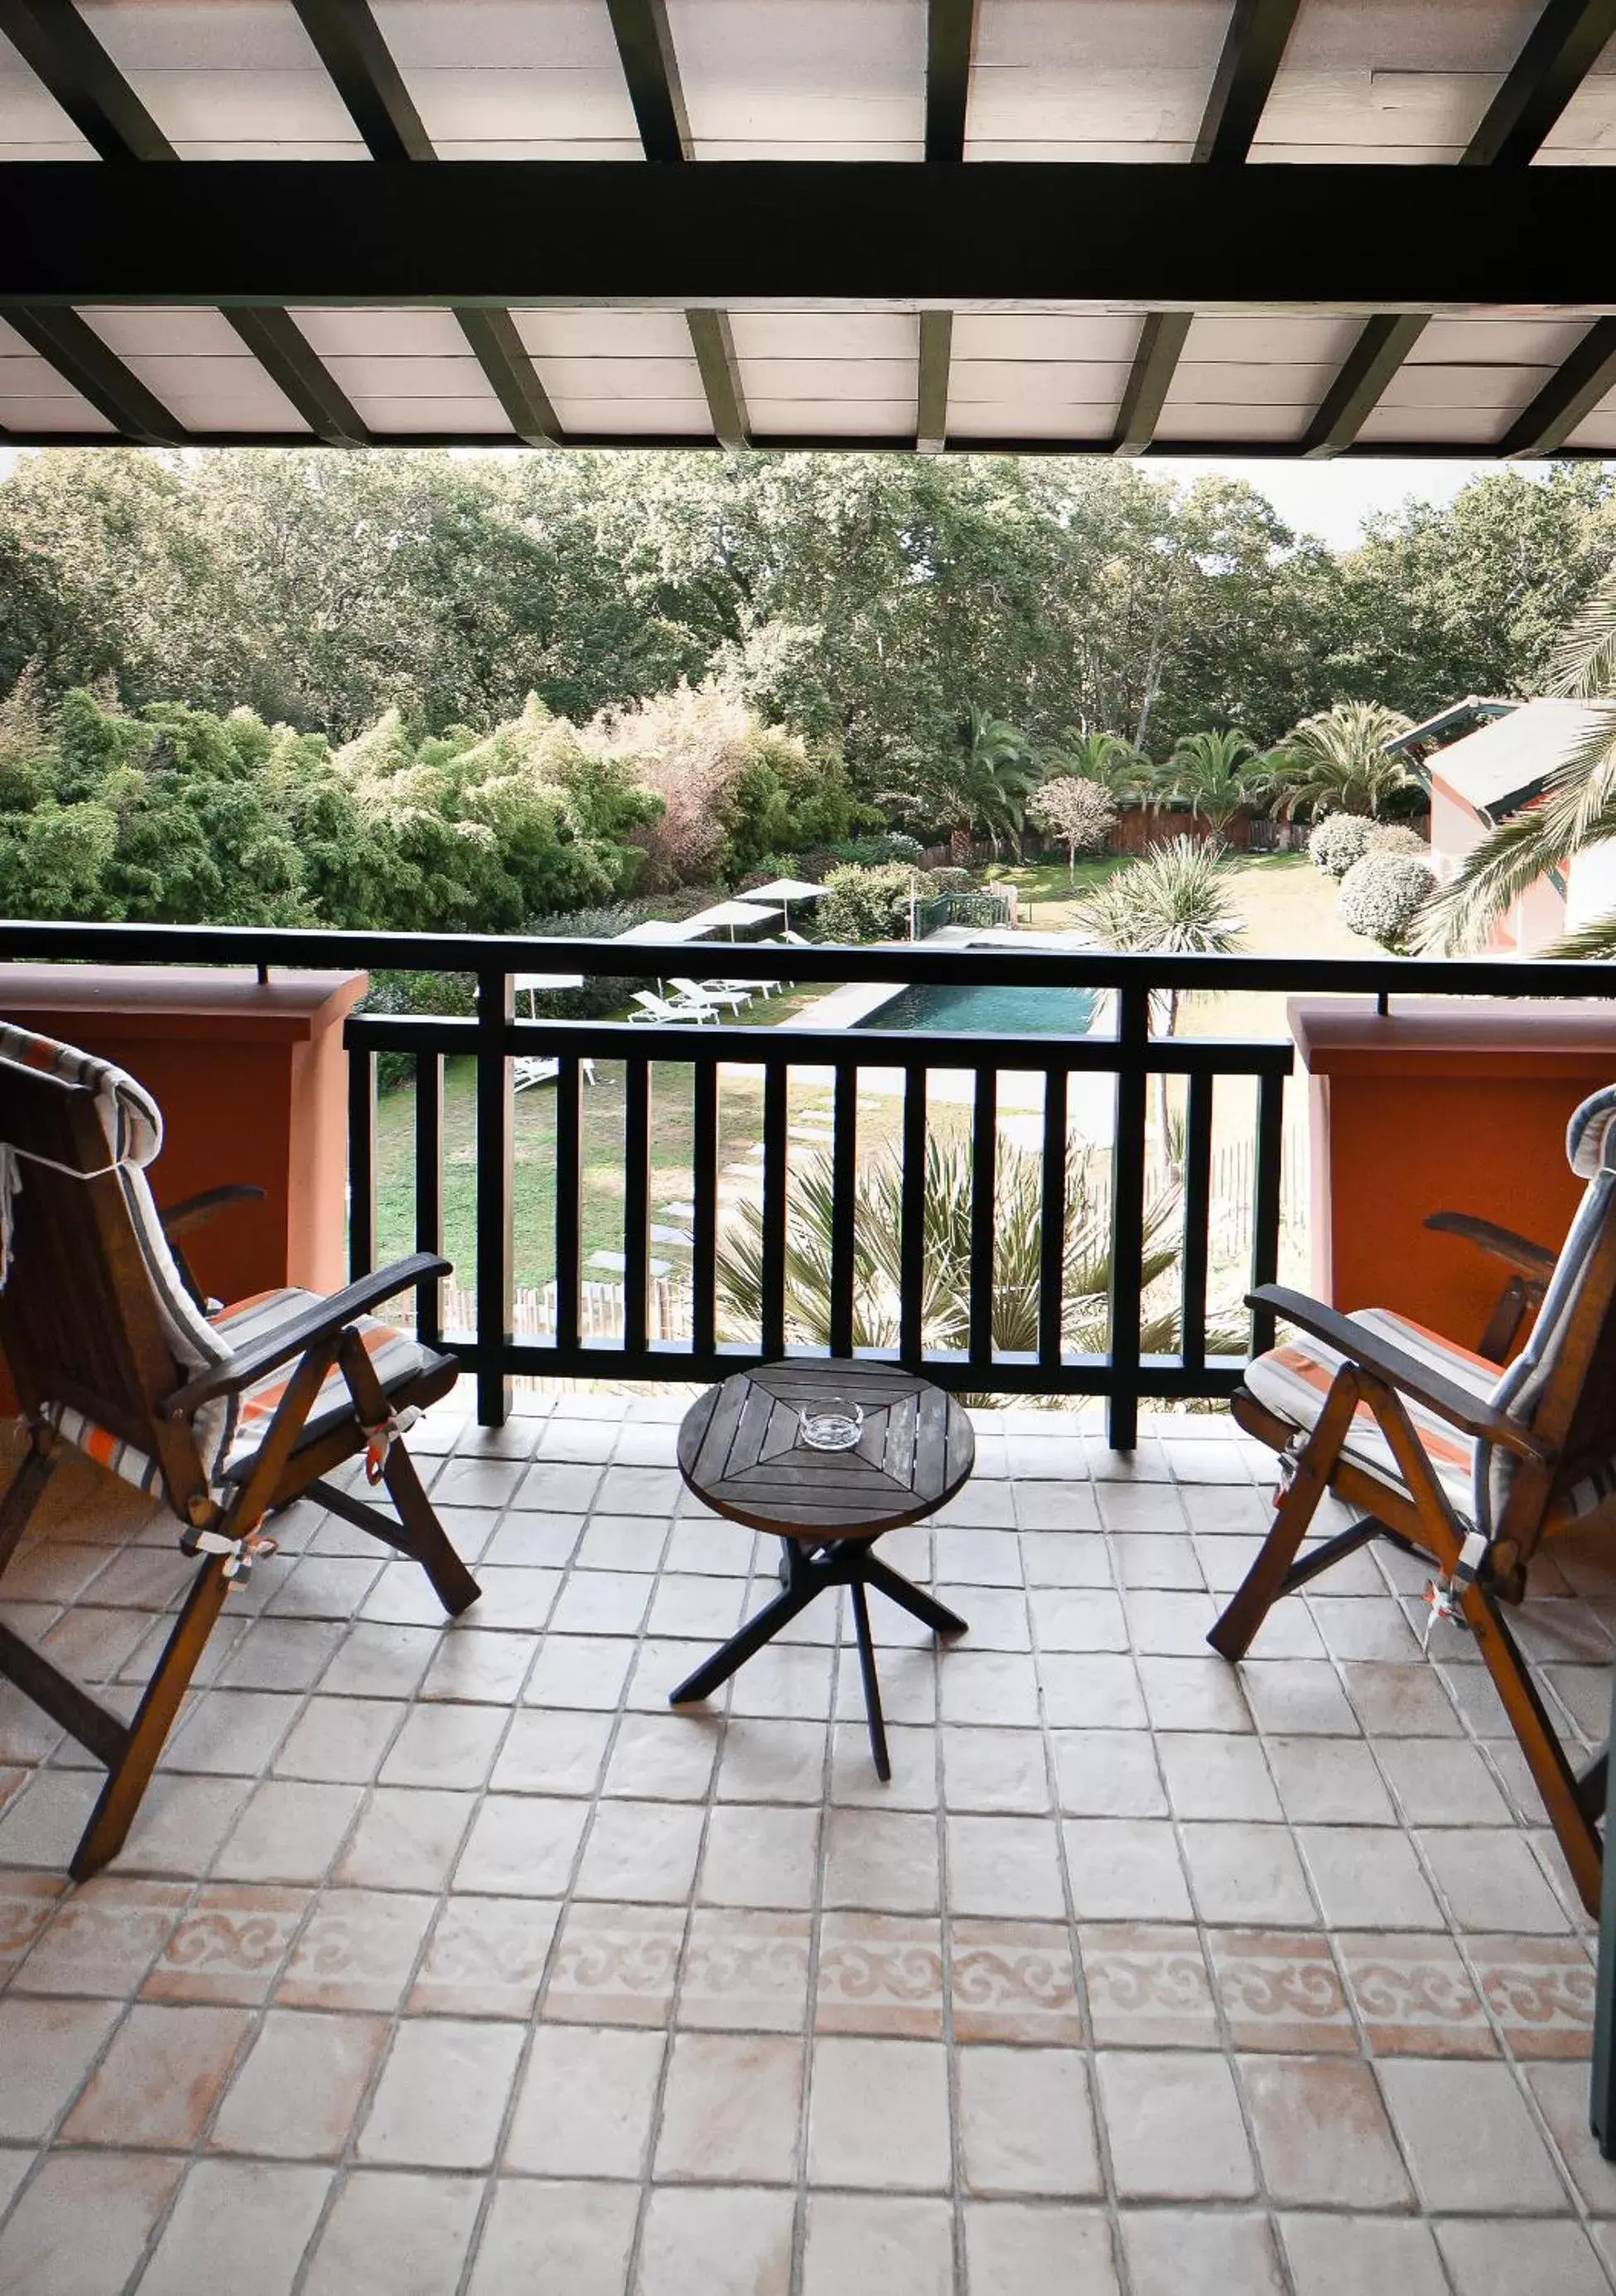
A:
(1078, 812)
(1340, 840)
(1383, 894)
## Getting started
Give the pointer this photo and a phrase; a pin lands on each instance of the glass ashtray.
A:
(835, 1425)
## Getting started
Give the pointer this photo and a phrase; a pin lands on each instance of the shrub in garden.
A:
(1383, 894)
(1078, 812)
(1340, 840)
(867, 904)
(1397, 837)
(883, 845)
(947, 881)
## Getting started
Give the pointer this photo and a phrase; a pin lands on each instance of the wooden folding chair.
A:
(1436, 1448)
(225, 1417)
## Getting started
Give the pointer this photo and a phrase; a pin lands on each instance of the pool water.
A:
(1007, 1012)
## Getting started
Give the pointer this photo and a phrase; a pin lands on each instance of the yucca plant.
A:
(945, 1305)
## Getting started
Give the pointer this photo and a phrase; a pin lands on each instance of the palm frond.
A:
(1583, 664)
(1492, 875)
(1596, 939)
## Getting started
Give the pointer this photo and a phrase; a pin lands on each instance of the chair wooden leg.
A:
(127, 1776)
(1295, 1509)
(1545, 1758)
(451, 1582)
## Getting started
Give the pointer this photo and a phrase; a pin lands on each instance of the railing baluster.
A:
(429, 1188)
(844, 1198)
(568, 1221)
(776, 1110)
(984, 1178)
(1266, 1213)
(495, 1138)
(636, 1200)
(1052, 1241)
(361, 1163)
(911, 1249)
(705, 1197)
(1197, 1221)
(1127, 1212)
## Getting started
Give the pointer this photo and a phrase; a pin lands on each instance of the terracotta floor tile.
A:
(1174, 2126)
(522, 1844)
(1246, 1873)
(395, 2234)
(1218, 1775)
(1125, 1869)
(441, 2097)
(881, 1973)
(522, 1600)
(760, 1857)
(160, 2079)
(1469, 2138)
(1298, 1695)
(1400, 1701)
(1562, 2093)
(995, 1770)
(1488, 2259)
(1414, 1997)
(1100, 1692)
(1361, 2256)
(1109, 1773)
(407, 1838)
(449, 1746)
(640, 1851)
(289, 1830)
(588, 2103)
(1191, 2252)
(1368, 1877)
(580, 1670)
(770, 1761)
(1147, 1987)
(26, 1903)
(1541, 1991)
(357, 1951)
(881, 1863)
(725, 2243)
(1279, 1991)
(1492, 1880)
(1013, 1981)
(904, 2248)
(1329, 1782)
(663, 1757)
(229, 1946)
(1012, 2248)
(1026, 2126)
(559, 1752)
(556, 2240)
(615, 1964)
(295, 2097)
(1062, 1558)
(746, 1970)
(731, 2109)
(487, 1957)
(1078, 1618)
(105, 1938)
(988, 1686)
(878, 2114)
(1323, 2138)
(853, 1785)
(341, 1740)
(602, 1603)
(232, 1731)
(83, 2225)
(46, 2047)
(1004, 1866)
(1194, 1693)
(237, 2225)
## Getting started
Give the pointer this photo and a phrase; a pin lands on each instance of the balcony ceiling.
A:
(1301, 227)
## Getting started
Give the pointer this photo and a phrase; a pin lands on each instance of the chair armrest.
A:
(299, 1331)
(1410, 1377)
(194, 1212)
(1534, 1260)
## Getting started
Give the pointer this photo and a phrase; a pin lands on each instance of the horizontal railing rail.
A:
(1151, 1290)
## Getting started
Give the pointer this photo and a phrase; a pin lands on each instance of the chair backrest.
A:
(653, 1003)
(95, 1322)
(695, 990)
(1562, 1384)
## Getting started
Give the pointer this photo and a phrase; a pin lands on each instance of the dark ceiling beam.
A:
(645, 49)
(1560, 50)
(348, 42)
(60, 49)
(65, 54)
(1252, 48)
(79, 357)
(932, 391)
(951, 43)
(1570, 395)
(547, 233)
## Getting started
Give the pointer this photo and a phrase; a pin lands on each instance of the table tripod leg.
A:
(875, 1573)
(872, 1687)
(747, 1643)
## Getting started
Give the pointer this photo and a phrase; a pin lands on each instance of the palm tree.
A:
(1106, 759)
(999, 770)
(1212, 774)
(1576, 808)
(1174, 901)
(1337, 761)
(945, 1304)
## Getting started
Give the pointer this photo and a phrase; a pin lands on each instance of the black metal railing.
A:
(1126, 1052)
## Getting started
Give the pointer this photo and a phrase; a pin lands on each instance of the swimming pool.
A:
(1006, 1012)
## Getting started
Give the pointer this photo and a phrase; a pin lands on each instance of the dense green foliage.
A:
(1383, 894)
(867, 904)
(868, 602)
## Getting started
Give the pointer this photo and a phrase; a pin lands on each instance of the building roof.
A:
(1200, 226)
(1497, 768)
(1446, 722)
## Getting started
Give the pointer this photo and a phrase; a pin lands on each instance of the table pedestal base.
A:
(807, 1572)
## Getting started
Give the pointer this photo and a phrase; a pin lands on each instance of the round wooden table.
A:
(741, 1450)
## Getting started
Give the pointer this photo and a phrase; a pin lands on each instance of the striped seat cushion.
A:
(1292, 1382)
(396, 1355)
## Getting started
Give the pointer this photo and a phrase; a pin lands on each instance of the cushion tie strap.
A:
(243, 1552)
(379, 1439)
